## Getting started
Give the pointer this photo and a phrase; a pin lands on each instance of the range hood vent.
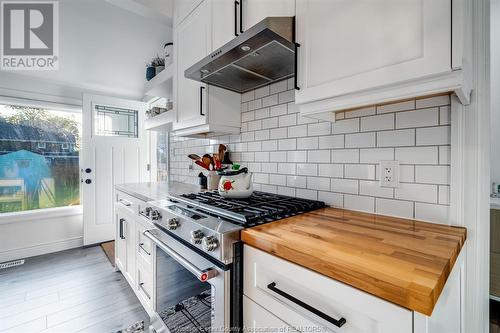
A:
(261, 55)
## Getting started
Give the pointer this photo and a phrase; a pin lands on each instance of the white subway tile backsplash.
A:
(332, 199)
(417, 192)
(344, 185)
(345, 156)
(440, 135)
(338, 162)
(395, 107)
(307, 169)
(396, 138)
(431, 174)
(417, 118)
(375, 155)
(377, 123)
(431, 213)
(346, 126)
(359, 171)
(307, 143)
(318, 183)
(417, 155)
(318, 156)
(433, 101)
(323, 128)
(360, 140)
(331, 170)
(288, 120)
(372, 188)
(296, 181)
(397, 208)
(361, 203)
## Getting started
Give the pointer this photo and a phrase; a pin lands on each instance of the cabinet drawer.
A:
(145, 285)
(258, 319)
(303, 298)
(128, 202)
(145, 247)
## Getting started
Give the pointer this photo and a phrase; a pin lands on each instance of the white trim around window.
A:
(40, 214)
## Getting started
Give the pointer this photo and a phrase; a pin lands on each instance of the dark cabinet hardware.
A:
(141, 245)
(339, 323)
(141, 285)
(121, 228)
(201, 101)
(241, 16)
(296, 61)
(236, 4)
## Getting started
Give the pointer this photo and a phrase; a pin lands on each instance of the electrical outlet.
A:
(389, 174)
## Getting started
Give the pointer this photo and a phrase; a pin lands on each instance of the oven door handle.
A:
(202, 274)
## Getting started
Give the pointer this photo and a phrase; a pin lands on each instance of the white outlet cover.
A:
(389, 174)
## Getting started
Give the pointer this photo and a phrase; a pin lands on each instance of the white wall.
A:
(103, 49)
(495, 90)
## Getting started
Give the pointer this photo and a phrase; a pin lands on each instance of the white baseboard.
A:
(40, 249)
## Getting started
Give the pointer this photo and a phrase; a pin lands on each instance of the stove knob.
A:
(172, 223)
(155, 215)
(210, 243)
(148, 211)
(196, 236)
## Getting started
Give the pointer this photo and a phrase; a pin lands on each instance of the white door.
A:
(115, 150)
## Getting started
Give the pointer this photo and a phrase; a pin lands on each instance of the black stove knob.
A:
(172, 223)
(209, 243)
(196, 236)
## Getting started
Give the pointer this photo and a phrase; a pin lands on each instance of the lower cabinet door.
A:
(145, 285)
(258, 319)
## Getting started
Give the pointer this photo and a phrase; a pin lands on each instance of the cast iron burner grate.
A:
(260, 208)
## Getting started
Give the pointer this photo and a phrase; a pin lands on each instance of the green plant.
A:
(157, 61)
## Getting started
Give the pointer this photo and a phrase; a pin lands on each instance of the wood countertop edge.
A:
(412, 299)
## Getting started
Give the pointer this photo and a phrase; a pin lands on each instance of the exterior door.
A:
(115, 151)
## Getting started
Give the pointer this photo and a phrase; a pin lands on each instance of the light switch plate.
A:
(389, 174)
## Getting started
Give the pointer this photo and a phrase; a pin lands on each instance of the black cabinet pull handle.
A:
(236, 4)
(295, 78)
(141, 245)
(201, 101)
(121, 228)
(241, 16)
(339, 323)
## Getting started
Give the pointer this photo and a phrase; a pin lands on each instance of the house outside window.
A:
(39, 158)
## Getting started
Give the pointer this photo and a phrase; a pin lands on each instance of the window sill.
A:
(40, 214)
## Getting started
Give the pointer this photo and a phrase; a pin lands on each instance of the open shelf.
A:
(161, 84)
(160, 122)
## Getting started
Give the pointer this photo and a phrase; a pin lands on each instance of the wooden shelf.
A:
(161, 84)
(160, 122)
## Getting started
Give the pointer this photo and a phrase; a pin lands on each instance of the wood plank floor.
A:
(70, 291)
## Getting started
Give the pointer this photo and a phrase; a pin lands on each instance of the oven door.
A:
(192, 294)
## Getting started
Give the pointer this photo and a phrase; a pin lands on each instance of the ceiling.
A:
(158, 10)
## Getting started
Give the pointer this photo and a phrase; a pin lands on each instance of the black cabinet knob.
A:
(88, 181)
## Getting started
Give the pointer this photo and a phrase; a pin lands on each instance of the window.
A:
(39, 158)
(111, 121)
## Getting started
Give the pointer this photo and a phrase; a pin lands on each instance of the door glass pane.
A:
(39, 158)
(112, 121)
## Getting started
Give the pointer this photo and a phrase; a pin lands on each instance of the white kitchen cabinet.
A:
(359, 53)
(225, 22)
(182, 8)
(264, 308)
(125, 244)
(254, 11)
(200, 109)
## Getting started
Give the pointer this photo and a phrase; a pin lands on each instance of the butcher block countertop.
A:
(403, 261)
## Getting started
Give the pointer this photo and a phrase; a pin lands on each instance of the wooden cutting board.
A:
(402, 261)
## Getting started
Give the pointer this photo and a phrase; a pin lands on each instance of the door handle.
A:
(121, 229)
(202, 274)
(201, 100)
(296, 61)
(339, 323)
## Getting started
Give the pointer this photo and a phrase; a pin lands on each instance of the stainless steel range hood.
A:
(261, 55)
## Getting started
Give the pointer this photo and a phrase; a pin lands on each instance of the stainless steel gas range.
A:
(199, 256)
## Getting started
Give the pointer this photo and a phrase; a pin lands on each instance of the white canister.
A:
(212, 180)
(169, 53)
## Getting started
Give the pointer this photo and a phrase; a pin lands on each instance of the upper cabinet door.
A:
(255, 11)
(225, 22)
(182, 8)
(193, 40)
(349, 46)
